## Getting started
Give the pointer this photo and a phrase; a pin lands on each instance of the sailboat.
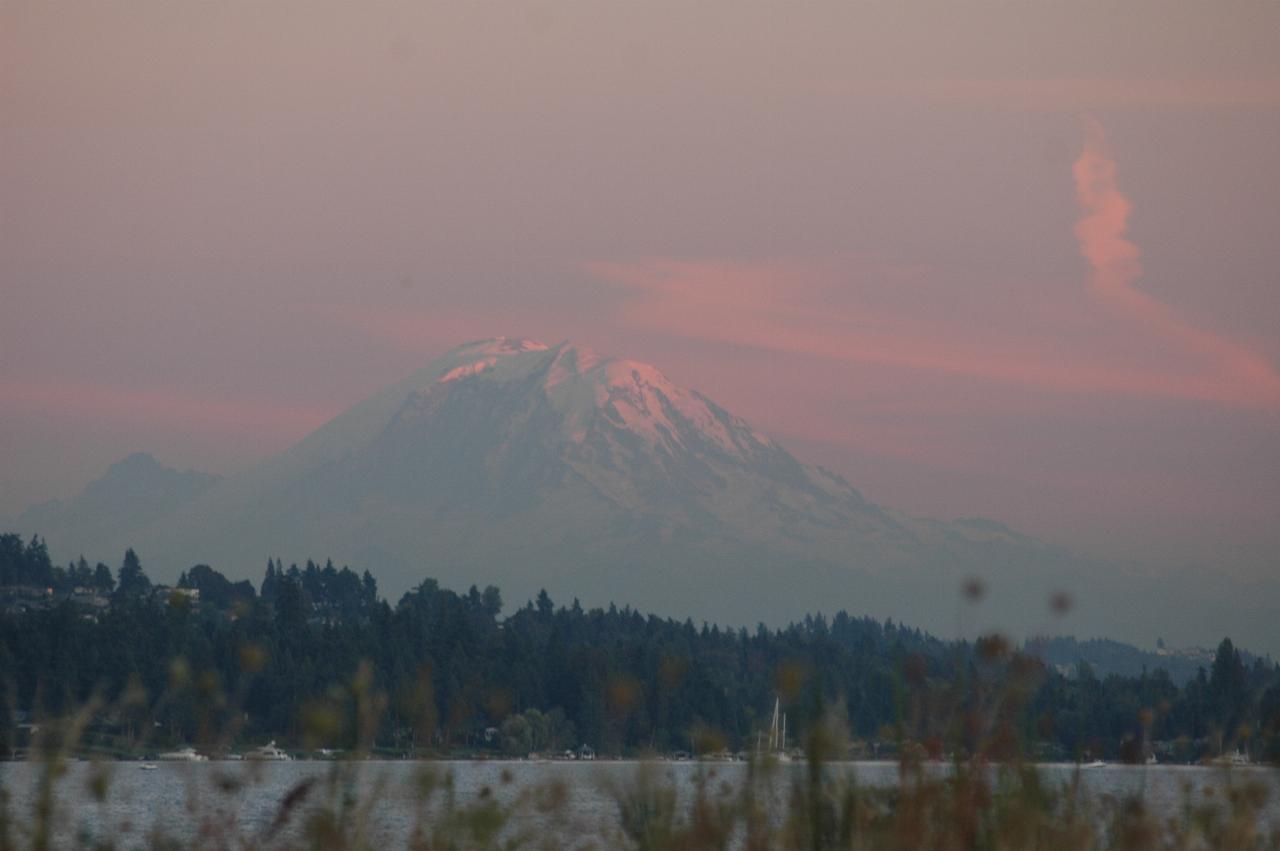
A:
(778, 733)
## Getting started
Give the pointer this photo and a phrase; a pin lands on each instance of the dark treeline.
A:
(445, 671)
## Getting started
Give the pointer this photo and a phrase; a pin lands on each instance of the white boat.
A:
(187, 754)
(268, 752)
(778, 734)
(148, 766)
(1097, 763)
(1235, 758)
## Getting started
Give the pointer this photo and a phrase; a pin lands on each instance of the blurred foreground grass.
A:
(963, 781)
(971, 802)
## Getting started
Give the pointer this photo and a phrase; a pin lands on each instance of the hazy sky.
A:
(1011, 259)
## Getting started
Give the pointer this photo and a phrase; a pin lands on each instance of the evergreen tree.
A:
(554, 678)
(491, 602)
(133, 581)
(270, 582)
(82, 574)
(102, 578)
(1227, 686)
(290, 606)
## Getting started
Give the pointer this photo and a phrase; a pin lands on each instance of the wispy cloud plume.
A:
(837, 310)
(1116, 267)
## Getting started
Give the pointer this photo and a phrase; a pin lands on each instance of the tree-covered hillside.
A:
(307, 656)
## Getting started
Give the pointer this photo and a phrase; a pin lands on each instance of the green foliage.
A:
(132, 581)
(25, 565)
(321, 663)
(458, 676)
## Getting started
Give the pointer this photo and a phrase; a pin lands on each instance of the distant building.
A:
(169, 594)
(89, 598)
(16, 599)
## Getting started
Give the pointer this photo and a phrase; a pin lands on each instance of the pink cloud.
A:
(1116, 268)
(793, 308)
(857, 310)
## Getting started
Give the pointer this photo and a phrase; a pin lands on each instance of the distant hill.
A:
(1108, 657)
(523, 465)
(135, 493)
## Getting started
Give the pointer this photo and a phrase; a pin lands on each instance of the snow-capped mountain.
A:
(591, 447)
(523, 465)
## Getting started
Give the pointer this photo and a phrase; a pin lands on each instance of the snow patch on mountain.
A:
(501, 357)
(467, 369)
(592, 392)
(500, 346)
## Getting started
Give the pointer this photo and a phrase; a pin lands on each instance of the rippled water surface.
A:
(246, 800)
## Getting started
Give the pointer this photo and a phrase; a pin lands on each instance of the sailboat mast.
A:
(773, 726)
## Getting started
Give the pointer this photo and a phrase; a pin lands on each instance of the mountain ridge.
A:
(138, 489)
(525, 465)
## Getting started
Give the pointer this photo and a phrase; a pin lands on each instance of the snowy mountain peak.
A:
(529, 466)
(502, 346)
(594, 394)
(638, 398)
(571, 362)
(482, 356)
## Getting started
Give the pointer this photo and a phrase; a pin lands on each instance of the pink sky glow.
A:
(1013, 260)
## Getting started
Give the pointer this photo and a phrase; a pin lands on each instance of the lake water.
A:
(564, 799)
